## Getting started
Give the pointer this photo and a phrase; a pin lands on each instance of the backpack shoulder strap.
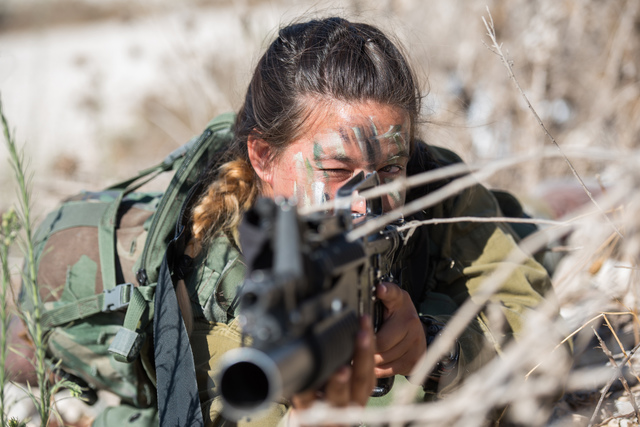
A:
(108, 221)
(205, 149)
(189, 160)
(178, 398)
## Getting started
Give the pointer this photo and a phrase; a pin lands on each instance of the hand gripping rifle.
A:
(306, 287)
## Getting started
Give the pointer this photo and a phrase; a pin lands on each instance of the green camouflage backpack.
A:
(98, 257)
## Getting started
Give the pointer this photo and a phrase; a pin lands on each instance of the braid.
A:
(221, 207)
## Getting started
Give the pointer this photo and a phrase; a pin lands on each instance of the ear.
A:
(260, 158)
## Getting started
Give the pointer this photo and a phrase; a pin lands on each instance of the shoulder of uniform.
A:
(442, 155)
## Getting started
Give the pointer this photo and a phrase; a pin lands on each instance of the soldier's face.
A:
(342, 140)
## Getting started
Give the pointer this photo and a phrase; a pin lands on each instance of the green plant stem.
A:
(4, 327)
(34, 324)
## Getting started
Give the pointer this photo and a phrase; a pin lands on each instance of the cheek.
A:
(394, 199)
(288, 175)
(295, 177)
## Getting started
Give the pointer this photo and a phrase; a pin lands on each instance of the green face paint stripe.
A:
(309, 169)
(395, 133)
(392, 132)
(400, 142)
(374, 129)
(395, 195)
(317, 150)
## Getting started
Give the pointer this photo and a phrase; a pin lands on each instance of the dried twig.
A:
(571, 335)
(606, 388)
(623, 380)
(624, 352)
(497, 48)
(480, 171)
(615, 417)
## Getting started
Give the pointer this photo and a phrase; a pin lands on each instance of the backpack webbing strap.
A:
(107, 230)
(178, 400)
(109, 300)
(126, 345)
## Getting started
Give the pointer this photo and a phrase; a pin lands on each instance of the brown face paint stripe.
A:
(344, 135)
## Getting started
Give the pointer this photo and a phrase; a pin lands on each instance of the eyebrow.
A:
(340, 157)
(399, 155)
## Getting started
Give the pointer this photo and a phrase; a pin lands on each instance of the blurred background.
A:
(96, 90)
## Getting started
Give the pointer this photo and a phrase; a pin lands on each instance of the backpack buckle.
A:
(126, 345)
(117, 298)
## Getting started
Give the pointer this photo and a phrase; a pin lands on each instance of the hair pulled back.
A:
(308, 63)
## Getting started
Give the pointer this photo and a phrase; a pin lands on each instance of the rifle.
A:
(306, 287)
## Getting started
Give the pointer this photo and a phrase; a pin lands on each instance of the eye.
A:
(391, 169)
(337, 173)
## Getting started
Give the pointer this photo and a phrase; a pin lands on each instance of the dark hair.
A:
(323, 59)
(310, 62)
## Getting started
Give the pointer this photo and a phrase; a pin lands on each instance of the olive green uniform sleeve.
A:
(462, 256)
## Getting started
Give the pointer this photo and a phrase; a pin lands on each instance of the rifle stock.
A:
(306, 288)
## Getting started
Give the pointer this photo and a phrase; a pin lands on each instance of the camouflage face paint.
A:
(319, 196)
(369, 139)
(317, 153)
(344, 136)
(395, 195)
(344, 139)
(373, 142)
(306, 189)
(302, 178)
(309, 170)
(333, 143)
(357, 132)
(395, 134)
(368, 142)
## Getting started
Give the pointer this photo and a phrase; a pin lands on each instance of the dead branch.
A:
(498, 48)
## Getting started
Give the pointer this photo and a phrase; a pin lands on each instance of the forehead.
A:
(354, 120)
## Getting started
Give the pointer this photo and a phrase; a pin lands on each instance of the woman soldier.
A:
(328, 99)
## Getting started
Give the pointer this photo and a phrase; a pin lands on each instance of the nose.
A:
(359, 205)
